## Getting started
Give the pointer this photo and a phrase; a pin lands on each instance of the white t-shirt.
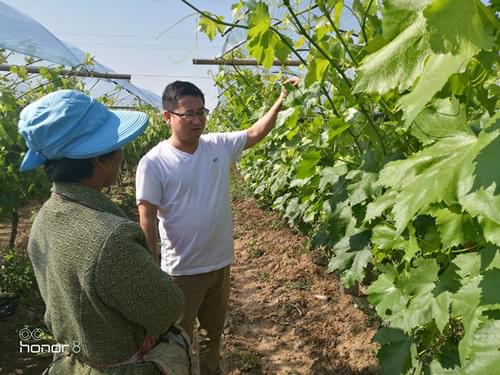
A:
(192, 195)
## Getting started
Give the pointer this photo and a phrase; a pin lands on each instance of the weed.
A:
(16, 273)
(300, 284)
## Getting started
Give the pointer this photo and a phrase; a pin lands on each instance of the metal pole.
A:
(66, 72)
(251, 62)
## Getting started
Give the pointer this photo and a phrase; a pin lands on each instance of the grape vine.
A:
(386, 156)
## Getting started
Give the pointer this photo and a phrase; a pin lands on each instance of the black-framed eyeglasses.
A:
(203, 113)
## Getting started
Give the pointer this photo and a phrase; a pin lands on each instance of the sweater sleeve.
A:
(129, 281)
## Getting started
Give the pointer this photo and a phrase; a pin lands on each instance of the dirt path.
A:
(286, 315)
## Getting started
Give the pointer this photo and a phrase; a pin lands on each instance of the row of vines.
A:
(387, 156)
(18, 88)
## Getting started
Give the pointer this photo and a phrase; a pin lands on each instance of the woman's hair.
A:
(72, 170)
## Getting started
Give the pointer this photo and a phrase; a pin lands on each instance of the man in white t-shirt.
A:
(184, 182)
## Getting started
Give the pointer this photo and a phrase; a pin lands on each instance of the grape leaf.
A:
(485, 350)
(453, 22)
(209, 27)
(445, 119)
(260, 37)
(307, 166)
(397, 15)
(479, 180)
(435, 73)
(397, 64)
(394, 354)
(491, 231)
(330, 175)
(316, 70)
(435, 183)
(377, 207)
(489, 286)
(356, 272)
(361, 190)
(384, 295)
(385, 238)
(451, 227)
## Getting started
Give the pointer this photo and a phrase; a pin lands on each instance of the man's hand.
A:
(264, 125)
(288, 85)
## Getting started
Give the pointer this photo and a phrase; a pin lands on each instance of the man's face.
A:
(187, 120)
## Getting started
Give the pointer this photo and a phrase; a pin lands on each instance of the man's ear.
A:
(166, 117)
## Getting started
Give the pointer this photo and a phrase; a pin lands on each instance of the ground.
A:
(287, 315)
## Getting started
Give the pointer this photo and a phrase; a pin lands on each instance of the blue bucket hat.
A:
(70, 124)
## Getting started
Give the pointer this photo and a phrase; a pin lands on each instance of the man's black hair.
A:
(178, 89)
(72, 170)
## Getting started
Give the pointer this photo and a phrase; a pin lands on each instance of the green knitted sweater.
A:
(99, 282)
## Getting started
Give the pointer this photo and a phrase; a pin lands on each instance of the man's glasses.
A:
(202, 113)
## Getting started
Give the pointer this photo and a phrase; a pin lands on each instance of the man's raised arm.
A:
(264, 125)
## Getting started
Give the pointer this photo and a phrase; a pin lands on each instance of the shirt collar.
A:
(86, 196)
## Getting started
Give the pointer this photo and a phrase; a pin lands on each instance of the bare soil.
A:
(287, 315)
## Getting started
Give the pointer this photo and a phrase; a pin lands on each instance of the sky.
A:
(153, 40)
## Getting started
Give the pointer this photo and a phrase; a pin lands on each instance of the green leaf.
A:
(397, 64)
(384, 295)
(465, 302)
(491, 231)
(377, 207)
(261, 40)
(362, 190)
(436, 71)
(421, 278)
(259, 20)
(316, 70)
(351, 256)
(412, 247)
(397, 173)
(282, 49)
(288, 116)
(337, 11)
(450, 226)
(490, 258)
(424, 309)
(336, 127)
(330, 175)
(435, 183)
(445, 119)
(478, 181)
(307, 166)
(489, 286)
(454, 22)
(261, 46)
(209, 27)
(385, 238)
(356, 272)
(441, 310)
(292, 209)
(394, 355)
(487, 173)
(485, 350)
(397, 15)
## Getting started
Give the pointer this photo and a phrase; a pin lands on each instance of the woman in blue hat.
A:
(107, 302)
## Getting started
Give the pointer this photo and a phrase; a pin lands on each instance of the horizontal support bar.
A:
(66, 72)
(251, 62)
